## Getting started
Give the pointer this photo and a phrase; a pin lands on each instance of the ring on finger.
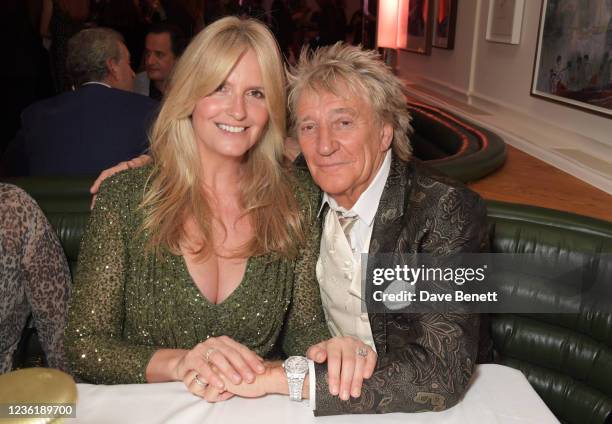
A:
(199, 382)
(208, 353)
(362, 351)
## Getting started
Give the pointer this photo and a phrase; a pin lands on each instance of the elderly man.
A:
(164, 44)
(84, 131)
(349, 116)
(350, 119)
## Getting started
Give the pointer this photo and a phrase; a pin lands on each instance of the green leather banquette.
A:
(566, 357)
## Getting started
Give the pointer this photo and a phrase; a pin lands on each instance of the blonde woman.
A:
(192, 266)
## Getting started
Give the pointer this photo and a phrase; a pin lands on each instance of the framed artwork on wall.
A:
(573, 63)
(504, 21)
(445, 18)
(420, 25)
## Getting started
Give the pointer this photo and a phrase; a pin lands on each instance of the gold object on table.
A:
(27, 391)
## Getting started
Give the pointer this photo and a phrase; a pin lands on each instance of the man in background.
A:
(164, 44)
(86, 130)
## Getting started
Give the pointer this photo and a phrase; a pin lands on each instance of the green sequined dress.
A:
(127, 304)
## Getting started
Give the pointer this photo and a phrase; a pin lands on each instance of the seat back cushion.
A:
(566, 357)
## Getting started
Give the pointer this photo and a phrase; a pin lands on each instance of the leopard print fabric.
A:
(34, 278)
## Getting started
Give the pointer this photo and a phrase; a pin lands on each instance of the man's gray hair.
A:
(346, 70)
(88, 52)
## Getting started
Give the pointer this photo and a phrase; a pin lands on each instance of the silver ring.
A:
(362, 351)
(209, 352)
(198, 381)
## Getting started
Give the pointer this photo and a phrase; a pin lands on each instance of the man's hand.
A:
(121, 166)
(349, 361)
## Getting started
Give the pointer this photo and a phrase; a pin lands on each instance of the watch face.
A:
(296, 364)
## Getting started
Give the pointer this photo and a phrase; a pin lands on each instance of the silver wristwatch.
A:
(296, 368)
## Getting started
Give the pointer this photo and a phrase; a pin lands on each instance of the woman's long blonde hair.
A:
(174, 191)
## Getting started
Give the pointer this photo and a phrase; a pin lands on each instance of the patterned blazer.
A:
(425, 361)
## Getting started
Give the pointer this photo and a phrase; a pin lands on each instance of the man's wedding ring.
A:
(208, 353)
(362, 351)
(198, 381)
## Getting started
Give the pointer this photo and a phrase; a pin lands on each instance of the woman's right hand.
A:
(217, 354)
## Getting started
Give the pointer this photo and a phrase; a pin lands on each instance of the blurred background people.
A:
(25, 74)
(281, 25)
(85, 131)
(60, 20)
(330, 22)
(164, 44)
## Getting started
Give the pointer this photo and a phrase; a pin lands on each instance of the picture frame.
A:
(574, 68)
(419, 28)
(505, 20)
(444, 23)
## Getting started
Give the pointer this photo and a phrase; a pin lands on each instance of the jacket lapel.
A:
(388, 224)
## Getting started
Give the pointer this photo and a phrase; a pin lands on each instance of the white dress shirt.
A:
(141, 84)
(365, 208)
(96, 82)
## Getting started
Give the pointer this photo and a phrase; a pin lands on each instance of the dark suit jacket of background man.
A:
(425, 361)
(82, 132)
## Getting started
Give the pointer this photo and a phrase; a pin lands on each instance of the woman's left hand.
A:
(214, 358)
(349, 361)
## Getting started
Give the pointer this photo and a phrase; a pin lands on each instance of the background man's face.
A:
(342, 143)
(159, 58)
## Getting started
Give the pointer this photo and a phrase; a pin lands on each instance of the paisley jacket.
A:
(425, 361)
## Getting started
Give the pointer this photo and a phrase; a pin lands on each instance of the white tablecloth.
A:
(497, 394)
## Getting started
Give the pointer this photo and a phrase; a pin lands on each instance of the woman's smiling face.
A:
(228, 122)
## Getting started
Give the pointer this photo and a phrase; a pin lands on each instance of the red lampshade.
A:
(392, 23)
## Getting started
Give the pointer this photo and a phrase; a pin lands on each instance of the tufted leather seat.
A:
(566, 357)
